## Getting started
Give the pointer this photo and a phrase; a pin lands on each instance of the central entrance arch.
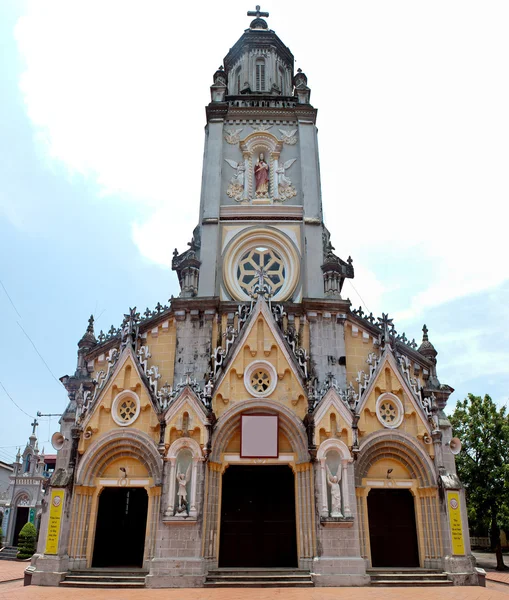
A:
(293, 456)
(258, 527)
(120, 529)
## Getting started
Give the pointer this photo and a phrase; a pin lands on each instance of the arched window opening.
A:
(260, 75)
(281, 80)
(27, 463)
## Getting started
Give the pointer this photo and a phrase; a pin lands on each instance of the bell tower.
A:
(261, 206)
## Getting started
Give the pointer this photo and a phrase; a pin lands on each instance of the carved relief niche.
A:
(184, 455)
(253, 146)
(333, 456)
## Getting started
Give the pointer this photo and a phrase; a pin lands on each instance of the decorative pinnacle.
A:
(90, 328)
(257, 13)
(425, 333)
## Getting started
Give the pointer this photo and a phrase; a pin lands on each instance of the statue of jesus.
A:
(261, 171)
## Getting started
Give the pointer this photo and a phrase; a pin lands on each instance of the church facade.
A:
(257, 420)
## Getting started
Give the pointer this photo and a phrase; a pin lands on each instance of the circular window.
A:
(260, 379)
(261, 252)
(126, 408)
(389, 411)
(261, 261)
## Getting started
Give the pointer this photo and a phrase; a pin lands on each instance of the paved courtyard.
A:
(11, 588)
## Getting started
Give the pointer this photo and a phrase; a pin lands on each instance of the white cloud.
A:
(413, 121)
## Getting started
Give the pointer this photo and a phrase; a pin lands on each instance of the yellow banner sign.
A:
(455, 523)
(55, 517)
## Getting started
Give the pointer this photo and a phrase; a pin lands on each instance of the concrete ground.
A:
(11, 588)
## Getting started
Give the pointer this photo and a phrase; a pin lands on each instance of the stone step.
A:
(102, 584)
(406, 576)
(8, 553)
(410, 583)
(259, 583)
(258, 578)
(401, 570)
(105, 579)
(96, 578)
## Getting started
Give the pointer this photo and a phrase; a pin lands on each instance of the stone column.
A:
(171, 491)
(324, 509)
(345, 490)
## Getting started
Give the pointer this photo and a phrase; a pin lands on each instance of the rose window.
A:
(127, 409)
(260, 381)
(389, 410)
(259, 261)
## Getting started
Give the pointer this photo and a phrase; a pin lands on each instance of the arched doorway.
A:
(397, 499)
(392, 528)
(258, 527)
(292, 479)
(120, 528)
(22, 514)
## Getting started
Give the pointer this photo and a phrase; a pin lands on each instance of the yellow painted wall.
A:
(260, 344)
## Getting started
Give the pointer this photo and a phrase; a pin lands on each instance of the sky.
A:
(101, 148)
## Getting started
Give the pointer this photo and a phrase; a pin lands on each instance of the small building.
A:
(21, 501)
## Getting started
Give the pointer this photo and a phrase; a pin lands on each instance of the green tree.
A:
(26, 543)
(483, 465)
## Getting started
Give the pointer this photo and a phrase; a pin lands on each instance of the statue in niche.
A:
(335, 492)
(236, 186)
(182, 480)
(261, 172)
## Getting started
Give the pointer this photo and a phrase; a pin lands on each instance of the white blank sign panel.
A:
(259, 436)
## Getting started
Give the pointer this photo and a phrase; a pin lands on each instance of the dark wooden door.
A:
(258, 526)
(21, 520)
(120, 528)
(392, 531)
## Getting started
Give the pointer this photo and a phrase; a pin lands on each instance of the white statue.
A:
(236, 187)
(182, 480)
(285, 186)
(335, 492)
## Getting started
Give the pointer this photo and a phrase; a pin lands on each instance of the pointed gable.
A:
(389, 391)
(332, 418)
(260, 365)
(186, 415)
(125, 401)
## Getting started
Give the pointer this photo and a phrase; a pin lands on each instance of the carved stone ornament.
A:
(236, 186)
(289, 136)
(232, 136)
(262, 127)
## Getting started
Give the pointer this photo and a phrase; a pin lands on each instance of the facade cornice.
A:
(336, 305)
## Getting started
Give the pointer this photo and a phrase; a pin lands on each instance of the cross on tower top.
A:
(34, 425)
(257, 13)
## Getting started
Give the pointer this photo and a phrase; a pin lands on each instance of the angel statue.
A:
(182, 480)
(285, 187)
(236, 187)
(335, 492)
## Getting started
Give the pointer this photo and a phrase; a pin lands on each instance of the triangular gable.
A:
(126, 354)
(389, 358)
(260, 308)
(186, 396)
(332, 399)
